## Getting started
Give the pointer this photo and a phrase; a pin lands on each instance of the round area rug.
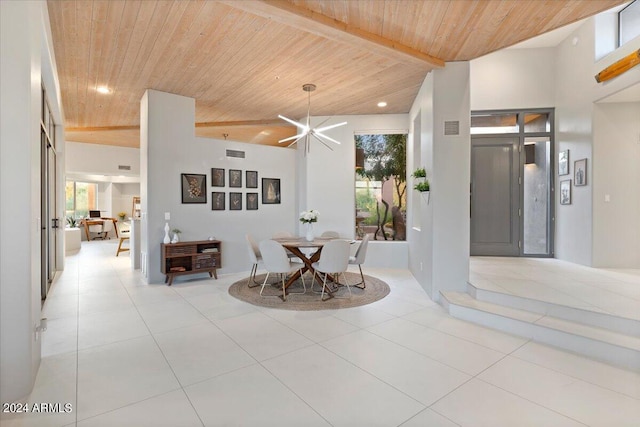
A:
(271, 297)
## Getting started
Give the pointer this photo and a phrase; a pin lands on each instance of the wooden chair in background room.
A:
(358, 259)
(124, 231)
(256, 258)
(275, 260)
(334, 260)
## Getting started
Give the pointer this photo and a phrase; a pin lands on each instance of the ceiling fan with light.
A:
(306, 130)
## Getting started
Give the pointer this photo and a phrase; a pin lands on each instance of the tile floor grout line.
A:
(463, 338)
(433, 410)
(129, 404)
(417, 352)
(479, 373)
(295, 394)
(476, 377)
(374, 376)
(572, 376)
(257, 362)
(532, 402)
(164, 356)
(77, 349)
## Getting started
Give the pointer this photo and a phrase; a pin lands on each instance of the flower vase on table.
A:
(308, 218)
(310, 235)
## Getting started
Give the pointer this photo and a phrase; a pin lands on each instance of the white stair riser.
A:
(619, 356)
(599, 320)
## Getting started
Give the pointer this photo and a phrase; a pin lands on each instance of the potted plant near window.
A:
(421, 182)
(72, 222)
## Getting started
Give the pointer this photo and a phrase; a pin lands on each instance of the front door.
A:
(495, 196)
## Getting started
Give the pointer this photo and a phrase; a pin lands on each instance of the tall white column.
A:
(167, 127)
(439, 248)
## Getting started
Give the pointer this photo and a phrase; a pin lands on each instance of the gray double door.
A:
(495, 196)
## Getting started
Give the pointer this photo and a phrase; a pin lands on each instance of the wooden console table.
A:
(202, 256)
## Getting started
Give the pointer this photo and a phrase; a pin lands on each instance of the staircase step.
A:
(603, 344)
(622, 325)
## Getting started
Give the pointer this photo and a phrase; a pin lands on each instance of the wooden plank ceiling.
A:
(245, 61)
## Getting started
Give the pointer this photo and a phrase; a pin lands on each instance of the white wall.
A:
(122, 195)
(616, 174)
(170, 119)
(327, 180)
(439, 248)
(574, 105)
(513, 78)
(23, 37)
(576, 124)
(97, 159)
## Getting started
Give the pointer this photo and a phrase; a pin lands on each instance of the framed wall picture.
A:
(235, 201)
(217, 177)
(235, 178)
(194, 188)
(217, 201)
(252, 179)
(580, 172)
(565, 192)
(270, 191)
(563, 162)
(252, 201)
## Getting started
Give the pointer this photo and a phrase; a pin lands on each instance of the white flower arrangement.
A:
(309, 216)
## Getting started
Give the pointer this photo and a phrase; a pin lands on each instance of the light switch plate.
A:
(167, 216)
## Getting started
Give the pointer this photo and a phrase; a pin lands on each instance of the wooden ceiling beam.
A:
(243, 123)
(315, 23)
(99, 128)
(278, 122)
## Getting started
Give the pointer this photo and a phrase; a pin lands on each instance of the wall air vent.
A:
(235, 153)
(124, 167)
(452, 127)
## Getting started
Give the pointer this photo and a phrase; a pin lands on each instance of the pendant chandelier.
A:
(305, 129)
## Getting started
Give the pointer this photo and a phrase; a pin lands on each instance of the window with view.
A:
(380, 186)
(629, 23)
(80, 198)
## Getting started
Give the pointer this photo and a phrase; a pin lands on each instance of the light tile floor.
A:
(124, 353)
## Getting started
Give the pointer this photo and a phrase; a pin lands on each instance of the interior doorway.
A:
(512, 202)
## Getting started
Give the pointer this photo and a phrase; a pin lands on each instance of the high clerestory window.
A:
(629, 23)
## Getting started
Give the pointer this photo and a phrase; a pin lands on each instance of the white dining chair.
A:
(286, 235)
(334, 260)
(358, 259)
(333, 234)
(275, 260)
(256, 258)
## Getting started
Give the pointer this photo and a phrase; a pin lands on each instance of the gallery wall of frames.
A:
(245, 189)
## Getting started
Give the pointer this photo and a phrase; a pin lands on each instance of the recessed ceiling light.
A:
(103, 89)
(382, 104)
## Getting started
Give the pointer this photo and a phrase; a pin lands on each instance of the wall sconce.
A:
(529, 154)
